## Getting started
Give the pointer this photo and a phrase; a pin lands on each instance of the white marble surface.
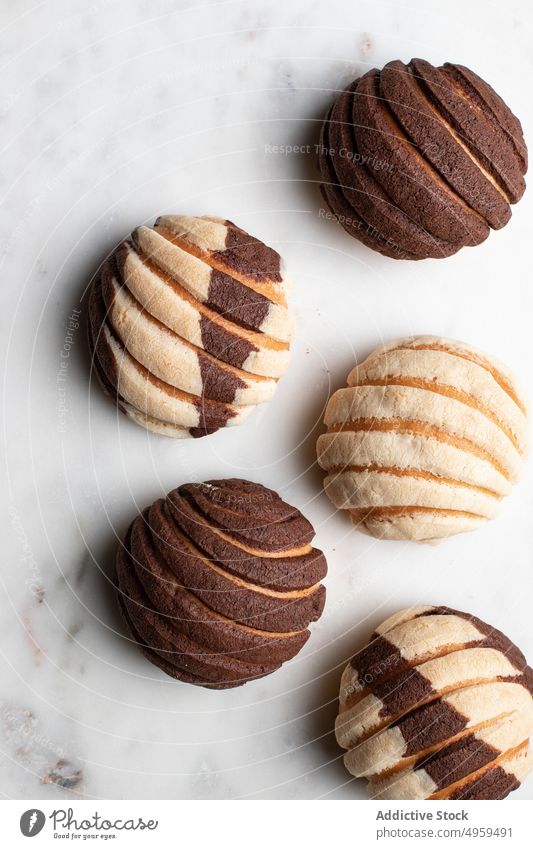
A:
(111, 113)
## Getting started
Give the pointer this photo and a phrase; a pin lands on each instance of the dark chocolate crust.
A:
(428, 725)
(247, 255)
(418, 161)
(457, 760)
(218, 582)
(494, 783)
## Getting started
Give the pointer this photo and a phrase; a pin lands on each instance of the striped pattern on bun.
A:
(438, 705)
(189, 326)
(218, 582)
(418, 161)
(425, 441)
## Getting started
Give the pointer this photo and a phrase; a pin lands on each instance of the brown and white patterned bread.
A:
(218, 582)
(418, 161)
(425, 441)
(189, 326)
(438, 705)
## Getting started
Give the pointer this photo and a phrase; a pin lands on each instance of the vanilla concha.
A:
(425, 441)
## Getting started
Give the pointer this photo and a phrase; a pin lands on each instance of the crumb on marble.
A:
(366, 45)
(64, 774)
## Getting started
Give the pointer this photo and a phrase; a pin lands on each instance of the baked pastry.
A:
(188, 325)
(218, 582)
(418, 161)
(438, 705)
(425, 441)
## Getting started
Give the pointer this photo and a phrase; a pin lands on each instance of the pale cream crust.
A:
(207, 232)
(460, 349)
(410, 785)
(430, 528)
(480, 704)
(378, 489)
(168, 356)
(421, 637)
(405, 451)
(426, 439)
(520, 765)
(350, 683)
(401, 616)
(190, 324)
(503, 735)
(446, 372)
(155, 425)
(378, 754)
(149, 422)
(194, 274)
(183, 317)
(416, 639)
(457, 669)
(159, 299)
(157, 402)
(373, 404)
(208, 237)
(187, 269)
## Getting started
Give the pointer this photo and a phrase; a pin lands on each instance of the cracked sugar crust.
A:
(426, 439)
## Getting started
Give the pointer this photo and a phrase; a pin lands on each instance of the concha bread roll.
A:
(425, 441)
(419, 161)
(219, 582)
(438, 705)
(189, 326)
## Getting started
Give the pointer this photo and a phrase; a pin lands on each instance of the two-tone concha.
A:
(218, 582)
(438, 705)
(425, 441)
(418, 161)
(189, 326)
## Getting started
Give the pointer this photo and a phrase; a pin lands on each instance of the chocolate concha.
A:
(218, 582)
(438, 705)
(418, 161)
(425, 441)
(189, 326)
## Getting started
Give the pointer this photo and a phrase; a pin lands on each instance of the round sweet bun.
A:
(425, 441)
(218, 582)
(418, 161)
(438, 705)
(188, 325)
